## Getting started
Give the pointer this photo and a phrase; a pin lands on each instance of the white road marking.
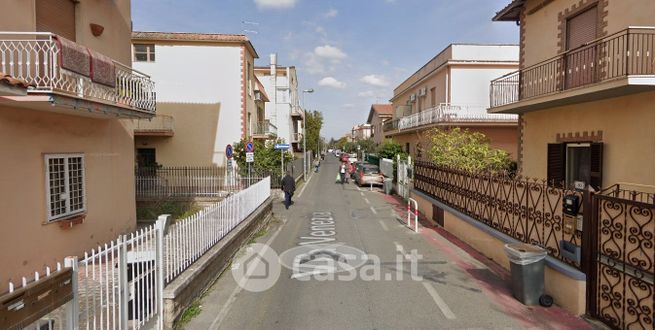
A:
(439, 301)
(305, 186)
(401, 250)
(373, 210)
(360, 189)
(366, 200)
(384, 226)
(361, 193)
(228, 303)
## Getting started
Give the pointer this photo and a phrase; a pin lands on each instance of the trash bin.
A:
(527, 268)
(388, 184)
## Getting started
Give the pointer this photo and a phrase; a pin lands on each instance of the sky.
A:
(353, 53)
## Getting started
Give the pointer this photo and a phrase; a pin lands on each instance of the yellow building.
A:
(67, 178)
(452, 89)
(584, 92)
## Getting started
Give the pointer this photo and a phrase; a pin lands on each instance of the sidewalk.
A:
(494, 280)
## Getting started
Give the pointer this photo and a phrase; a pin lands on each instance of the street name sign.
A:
(282, 146)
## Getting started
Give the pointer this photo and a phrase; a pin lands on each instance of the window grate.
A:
(65, 185)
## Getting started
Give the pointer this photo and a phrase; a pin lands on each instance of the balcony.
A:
(264, 130)
(296, 137)
(448, 115)
(612, 66)
(66, 76)
(296, 112)
(159, 125)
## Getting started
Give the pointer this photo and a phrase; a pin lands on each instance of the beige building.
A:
(584, 92)
(208, 96)
(361, 132)
(452, 89)
(379, 114)
(67, 179)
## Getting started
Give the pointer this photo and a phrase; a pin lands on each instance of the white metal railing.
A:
(34, 57)
(188, 239)
(448, 113)
(119, 285)
(265, 128)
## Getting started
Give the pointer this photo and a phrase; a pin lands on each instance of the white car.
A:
(352, 159)
(330, 150)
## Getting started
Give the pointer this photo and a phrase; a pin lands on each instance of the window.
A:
(65, 188)
(433, 97)
(571, 162)
(144, 52)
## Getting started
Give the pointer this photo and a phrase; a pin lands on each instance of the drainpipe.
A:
(273, 67)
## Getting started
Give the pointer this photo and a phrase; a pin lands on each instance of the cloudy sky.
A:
(351, 52)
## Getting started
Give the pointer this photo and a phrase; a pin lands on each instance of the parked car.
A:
(352, 159)
(358, 166)
(337, 153)
(330, 150)
(344, 157)
(370, 175)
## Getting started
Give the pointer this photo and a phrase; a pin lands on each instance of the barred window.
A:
(65, 188)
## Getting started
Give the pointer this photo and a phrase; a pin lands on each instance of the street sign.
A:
(282, 146)
(250, 147)
(229, 152)
(250, 157)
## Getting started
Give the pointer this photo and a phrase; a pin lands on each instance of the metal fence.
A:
(119, 285)
(525, 209)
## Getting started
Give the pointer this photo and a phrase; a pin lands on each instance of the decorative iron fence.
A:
(525, 209)
(624, 259)
(119, 285)
(36, 57)
(627, 52)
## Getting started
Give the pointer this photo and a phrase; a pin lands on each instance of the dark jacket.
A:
(288, 184)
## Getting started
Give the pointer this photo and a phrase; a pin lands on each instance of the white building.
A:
(206, 83)
(283, 109)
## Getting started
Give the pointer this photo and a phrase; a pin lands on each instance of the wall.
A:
(287, 90)
(202, 73)
(626, 125)
(470, 84)
(568, 292)
(25, 135)
(115, 16)
(193, 143)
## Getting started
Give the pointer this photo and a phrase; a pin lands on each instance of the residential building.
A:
(452, 90)
(361, 132)
(584, 90)
(67, 179)
(283, 110)
(377, 116)
(206, 85)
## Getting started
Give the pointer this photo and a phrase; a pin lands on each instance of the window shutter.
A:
(556, 165)
(597, 166)
(581, 28)
(56, 16)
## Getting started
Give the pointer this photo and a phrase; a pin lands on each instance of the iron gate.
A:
(404, 168)
(623, 261)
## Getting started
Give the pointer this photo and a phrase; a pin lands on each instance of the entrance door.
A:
(146, 157)
(581, 64)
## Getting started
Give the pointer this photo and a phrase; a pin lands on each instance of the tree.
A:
(267, 159)
(314, 122)
(466, 150)
(367, 145)
(390, 149)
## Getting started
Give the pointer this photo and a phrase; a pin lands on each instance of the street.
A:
(425, 280)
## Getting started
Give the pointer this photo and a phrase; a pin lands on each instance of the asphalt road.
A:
(447, 295)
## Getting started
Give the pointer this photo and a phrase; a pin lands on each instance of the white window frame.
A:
(66, 157)
(150, 50)
(567, 172)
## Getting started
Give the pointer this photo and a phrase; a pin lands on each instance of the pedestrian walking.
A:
(289, 187)
(342, 172)
(317, 164)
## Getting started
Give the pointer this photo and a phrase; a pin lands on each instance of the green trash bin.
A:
(527, 267)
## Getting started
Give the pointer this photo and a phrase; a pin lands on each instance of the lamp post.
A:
(304, 131)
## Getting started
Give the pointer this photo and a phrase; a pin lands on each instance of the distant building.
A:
(208, 92)
(377, 116)
(67, 178)
(283, 110)
(361, 132)
(452, 90)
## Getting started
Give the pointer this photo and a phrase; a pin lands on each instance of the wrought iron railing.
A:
(35, 58)
(628, 52)
(448, 113)
(156, 124)
(525, 209)
(264, 128)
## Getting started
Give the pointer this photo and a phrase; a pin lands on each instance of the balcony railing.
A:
(157, 125)
(448, 113)
(36, 57)
(628, 52)
(265, 128)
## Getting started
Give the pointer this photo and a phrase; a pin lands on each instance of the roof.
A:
(194, 37)
(13, 82)
(511, 12)
(380, 109)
